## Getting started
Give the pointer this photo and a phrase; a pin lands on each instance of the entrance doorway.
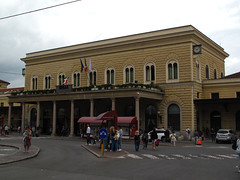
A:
(215, 120)
(150, 117)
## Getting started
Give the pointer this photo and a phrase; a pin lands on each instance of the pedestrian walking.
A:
(188, 132)
(120, 132)
(173, 139)
(213, 135)
(27, 139)
(88, 132)
(137, 140)
(154, 138)
(145, 139)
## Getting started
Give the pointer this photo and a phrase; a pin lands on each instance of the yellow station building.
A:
(172, 78)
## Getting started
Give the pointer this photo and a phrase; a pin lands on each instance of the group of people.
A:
(170, 136)
(4, 130)
(112, 142)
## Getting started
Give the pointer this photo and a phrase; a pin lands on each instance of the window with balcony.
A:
(34, 83)
(129, 74)
(150, 72)
(110, 76)
(47, 82)
(93, 77)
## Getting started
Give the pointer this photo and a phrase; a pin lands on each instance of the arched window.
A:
(110, 76)
(34, 83)
(207, 72)
(215, 74)
(47, 82)
(61, 79)
(172, 70)
(129, 74)
(76, 79)
(174, 117)
(93, 77)
(150, 72)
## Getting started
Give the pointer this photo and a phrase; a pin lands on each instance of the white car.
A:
(160, 133)
(226, 135)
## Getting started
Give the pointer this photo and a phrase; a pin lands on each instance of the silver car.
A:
(226, 135)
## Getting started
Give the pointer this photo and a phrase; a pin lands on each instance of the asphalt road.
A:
(67, 159)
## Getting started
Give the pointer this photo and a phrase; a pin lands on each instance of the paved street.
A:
(65, 158)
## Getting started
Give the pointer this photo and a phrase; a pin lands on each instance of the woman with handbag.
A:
(27, 139)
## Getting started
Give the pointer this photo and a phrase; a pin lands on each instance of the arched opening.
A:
(33, 117)
(238, 121)
(215, 120)
(174, 117)
(150, 117)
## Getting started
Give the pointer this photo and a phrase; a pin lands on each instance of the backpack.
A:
(234, 145)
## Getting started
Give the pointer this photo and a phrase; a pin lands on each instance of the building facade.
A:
(164, 78)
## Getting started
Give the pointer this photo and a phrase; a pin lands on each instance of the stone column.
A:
(9, 114)
(91, 107)
(113, 104)
(72, 119)
(137, 111)
(38, 114)
(54, 118)
(23, 117)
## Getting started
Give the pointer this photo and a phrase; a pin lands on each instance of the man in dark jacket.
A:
(154, 137)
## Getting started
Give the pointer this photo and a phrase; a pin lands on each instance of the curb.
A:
(19, 155)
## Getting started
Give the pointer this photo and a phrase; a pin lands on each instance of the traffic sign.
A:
(103, 133)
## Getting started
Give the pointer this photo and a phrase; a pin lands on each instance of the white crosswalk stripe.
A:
(150, 156)
(165, 156)
(134, 156)
(211, 156)
(179, 156)
(226, 156)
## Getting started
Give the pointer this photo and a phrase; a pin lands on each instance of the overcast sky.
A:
(92, 20)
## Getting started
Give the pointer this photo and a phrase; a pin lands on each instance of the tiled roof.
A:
(11, 89)
(235, 75)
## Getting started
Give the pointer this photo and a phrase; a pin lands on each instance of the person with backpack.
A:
(237, 147)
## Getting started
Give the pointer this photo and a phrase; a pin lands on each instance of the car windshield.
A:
(223, 132)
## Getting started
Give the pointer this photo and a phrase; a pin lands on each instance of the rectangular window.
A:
(2, 104)
(215, 95)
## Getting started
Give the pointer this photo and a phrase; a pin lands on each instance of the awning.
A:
(109, 115)
(127, 120)
(89, 120)
(121, 120)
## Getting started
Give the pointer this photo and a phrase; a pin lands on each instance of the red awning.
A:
(89, 120)
(127, 120)
(109, 115)
(121, 120)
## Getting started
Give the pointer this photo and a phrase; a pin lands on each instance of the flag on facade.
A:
(81, 65)
(85, 65)
(66, 80)
(90, 65)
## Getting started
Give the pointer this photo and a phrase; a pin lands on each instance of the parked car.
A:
(160, 133)
(225, 135)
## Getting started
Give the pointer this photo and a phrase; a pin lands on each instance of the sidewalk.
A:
(20, 153)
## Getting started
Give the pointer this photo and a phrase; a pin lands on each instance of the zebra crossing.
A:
(180, 156)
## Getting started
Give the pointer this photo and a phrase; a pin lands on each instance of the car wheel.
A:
(217, 141)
